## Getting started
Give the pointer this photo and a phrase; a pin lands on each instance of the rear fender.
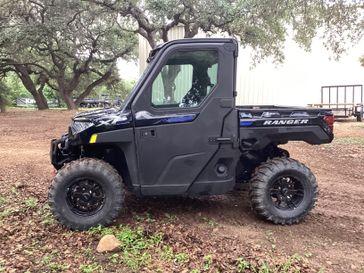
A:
(257, 138)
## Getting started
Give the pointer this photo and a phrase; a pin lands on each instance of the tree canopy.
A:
(262, 24)
(72, 46)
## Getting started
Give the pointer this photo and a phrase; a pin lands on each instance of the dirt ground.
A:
(207, 234)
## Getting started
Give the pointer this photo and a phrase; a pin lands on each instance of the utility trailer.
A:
(179, 132)
(94, 102)
(344, 100)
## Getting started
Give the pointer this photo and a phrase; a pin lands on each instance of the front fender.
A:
(115, 136)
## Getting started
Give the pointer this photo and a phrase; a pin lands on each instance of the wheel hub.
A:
(286, 193)
(85, 196)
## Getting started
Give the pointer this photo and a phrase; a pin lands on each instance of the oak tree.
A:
(262, 24)
(72, 46)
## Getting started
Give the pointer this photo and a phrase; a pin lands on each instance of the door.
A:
(179, 113)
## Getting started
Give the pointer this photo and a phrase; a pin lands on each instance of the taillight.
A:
(330, 121)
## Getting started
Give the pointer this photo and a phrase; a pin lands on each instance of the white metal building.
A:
(295, 82)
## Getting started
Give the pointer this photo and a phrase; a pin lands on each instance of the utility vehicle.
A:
(180, 133)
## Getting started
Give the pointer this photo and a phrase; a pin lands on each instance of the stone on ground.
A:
(108, 243)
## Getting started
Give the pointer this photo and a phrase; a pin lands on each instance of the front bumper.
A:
(60, 151)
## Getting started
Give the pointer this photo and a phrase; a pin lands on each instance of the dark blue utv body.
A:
(179, 132)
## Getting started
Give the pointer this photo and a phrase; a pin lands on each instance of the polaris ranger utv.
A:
(180, 133)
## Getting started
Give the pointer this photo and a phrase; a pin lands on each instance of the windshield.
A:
(140, 81)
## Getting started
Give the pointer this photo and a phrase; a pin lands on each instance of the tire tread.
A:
(259, 181)
(87, 163)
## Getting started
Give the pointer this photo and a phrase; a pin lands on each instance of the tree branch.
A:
(90, 87)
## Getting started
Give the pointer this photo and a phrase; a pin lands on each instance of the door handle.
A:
(225, 140)
(147, 133)
(221, 139)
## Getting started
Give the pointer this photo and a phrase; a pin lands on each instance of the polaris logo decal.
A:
(286, 122)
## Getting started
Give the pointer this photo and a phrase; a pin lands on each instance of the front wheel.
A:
(85, 193)
(283, 191)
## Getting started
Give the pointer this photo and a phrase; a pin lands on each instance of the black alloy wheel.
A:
(86, 192)
(287, 193)
(283, 191)
(85, 196)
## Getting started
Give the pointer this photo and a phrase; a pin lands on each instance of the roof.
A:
(153, 52)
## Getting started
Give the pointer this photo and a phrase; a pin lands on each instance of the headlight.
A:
(78, 127)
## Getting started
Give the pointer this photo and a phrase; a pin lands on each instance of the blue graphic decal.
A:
(122, 122)
(178, 119)
(246, 123)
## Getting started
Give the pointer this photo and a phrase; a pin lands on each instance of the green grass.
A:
(58, 267)
(31, 202)
(90, 268)
(243, 265)
(347, 140)
(3, 201)
(6, 213)
(170, 218)
(100, 230)
(145, 217)
(48, 261)
(46, 215)
(89, 252)
(114, 258)
(358, 141)
(139, 248)
(181, 258)
(2, 266)
(358, 125)
(166, 253)
(14, 191)
(207, 262)
(211, 222)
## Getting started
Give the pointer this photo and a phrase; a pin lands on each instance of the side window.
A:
(186, 79)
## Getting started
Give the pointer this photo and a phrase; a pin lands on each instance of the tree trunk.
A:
(42, 80)
(91, 86)
(43, 99)
(3, 92)
(39, 98)
(58, 101)
(2, 105)
(191, 30)
(68, 100)
(169, 75)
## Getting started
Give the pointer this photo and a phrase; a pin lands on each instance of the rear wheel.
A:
(85, 193)
(283, 191)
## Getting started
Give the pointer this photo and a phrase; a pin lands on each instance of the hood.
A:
(110, 118)
(91, 115)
